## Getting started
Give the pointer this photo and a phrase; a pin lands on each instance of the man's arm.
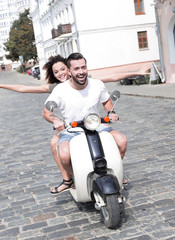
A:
(108, 107)
(50, 117)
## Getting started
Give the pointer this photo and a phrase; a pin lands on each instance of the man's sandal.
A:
(68, 183)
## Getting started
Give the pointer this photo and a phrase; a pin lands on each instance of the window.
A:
(142, 40)
(139, 7)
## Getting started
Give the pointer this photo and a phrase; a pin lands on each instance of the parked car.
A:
(36, 73)
(33, 69)
(139, 79)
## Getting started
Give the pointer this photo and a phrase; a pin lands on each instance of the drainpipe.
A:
(76, 29)
(159, 43)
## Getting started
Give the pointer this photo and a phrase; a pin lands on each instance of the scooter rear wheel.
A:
(111, 212)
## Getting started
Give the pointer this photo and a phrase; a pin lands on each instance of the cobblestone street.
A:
(28, 170)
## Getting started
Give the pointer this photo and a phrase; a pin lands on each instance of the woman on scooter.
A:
(57, 72)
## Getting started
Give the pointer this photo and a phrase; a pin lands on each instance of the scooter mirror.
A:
(115, 95)
(50, 105)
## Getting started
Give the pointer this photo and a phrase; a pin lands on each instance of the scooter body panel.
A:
(83, 166)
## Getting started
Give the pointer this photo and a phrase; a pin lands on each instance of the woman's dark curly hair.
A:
(48, 67)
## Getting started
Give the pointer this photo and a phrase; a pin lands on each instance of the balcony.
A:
(62, 29)
(55, 33)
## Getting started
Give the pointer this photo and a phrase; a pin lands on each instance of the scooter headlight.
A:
(92, 121)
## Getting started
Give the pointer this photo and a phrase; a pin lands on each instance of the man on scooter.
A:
(75, 98)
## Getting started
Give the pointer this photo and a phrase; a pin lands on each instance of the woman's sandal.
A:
(125, 182)
(69, 183)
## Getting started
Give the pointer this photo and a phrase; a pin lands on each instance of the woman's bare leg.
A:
(65, 175)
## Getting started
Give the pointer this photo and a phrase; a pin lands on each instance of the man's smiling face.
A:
(78, 71)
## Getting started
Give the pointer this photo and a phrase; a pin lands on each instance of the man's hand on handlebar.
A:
(113, 117)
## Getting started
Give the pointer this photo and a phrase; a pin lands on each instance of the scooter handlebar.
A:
(106, 119)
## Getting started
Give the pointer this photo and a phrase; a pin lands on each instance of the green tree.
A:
(21, 39)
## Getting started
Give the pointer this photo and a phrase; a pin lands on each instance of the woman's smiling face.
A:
(60, 71)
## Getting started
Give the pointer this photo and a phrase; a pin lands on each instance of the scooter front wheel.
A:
(111, 211)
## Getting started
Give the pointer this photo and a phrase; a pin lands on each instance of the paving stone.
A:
(17, 223)
(127, 234)
(164, 234)
(55, 228)
(42, 217)
(8, 238)
(85, 235)
(63, 233)
(101, 238)
(171, 222)
(9, 232)
(29, 234)
(2, 226)
(169, 214)
(154, 227)
(143, 237)
(68, 238)
(34, 226)
(37, 238)
(78, 223)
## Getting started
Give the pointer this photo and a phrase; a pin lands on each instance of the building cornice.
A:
(118, 28)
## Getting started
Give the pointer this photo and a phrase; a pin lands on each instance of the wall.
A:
(108, 32)
(104, 31)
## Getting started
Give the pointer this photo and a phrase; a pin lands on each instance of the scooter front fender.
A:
(106, 185)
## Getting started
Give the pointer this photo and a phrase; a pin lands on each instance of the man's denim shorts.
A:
(67, 136)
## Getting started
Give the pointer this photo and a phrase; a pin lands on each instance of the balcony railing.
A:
(62, 29)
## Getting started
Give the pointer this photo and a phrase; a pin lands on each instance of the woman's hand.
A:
(58, 124)
(144, 69)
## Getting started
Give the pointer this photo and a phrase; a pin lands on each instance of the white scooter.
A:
(97, 167)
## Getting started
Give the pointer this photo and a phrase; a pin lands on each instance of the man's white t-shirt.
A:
(75, 104)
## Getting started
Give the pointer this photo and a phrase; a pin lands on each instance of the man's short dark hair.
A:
(74, 56)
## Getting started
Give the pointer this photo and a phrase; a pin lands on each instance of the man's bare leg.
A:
(121, 141)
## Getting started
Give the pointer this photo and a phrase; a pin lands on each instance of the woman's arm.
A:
(114, 77)
(26, 89)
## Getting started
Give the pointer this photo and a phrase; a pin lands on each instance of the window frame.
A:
(140, 35)
(139, 8)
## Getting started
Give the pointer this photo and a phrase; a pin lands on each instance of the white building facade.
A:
(108, 33)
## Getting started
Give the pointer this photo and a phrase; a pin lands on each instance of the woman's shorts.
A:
(67, 136)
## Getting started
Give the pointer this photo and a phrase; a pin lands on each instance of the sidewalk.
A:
(156, 90)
